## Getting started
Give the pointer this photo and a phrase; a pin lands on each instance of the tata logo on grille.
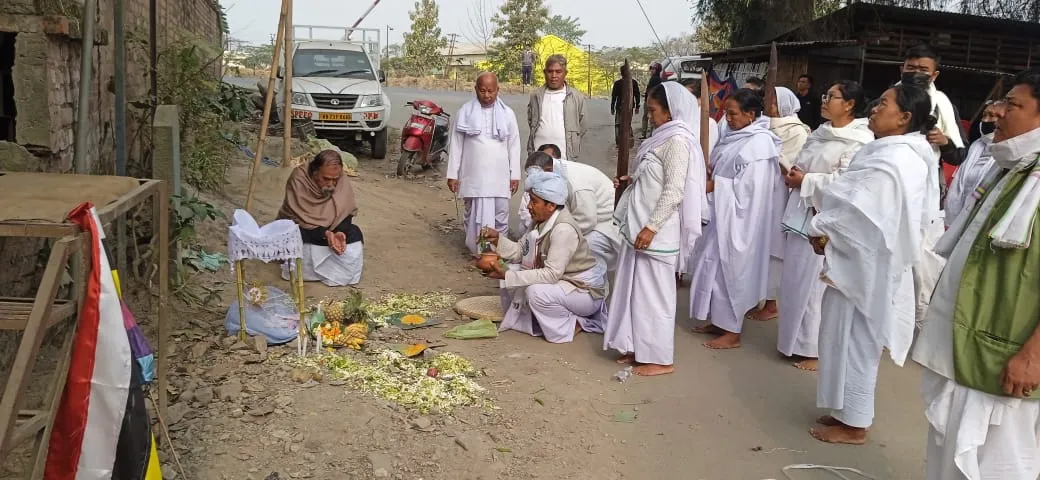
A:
(334, 102)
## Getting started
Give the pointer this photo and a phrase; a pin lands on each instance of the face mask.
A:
(986, 128)
(922, 80)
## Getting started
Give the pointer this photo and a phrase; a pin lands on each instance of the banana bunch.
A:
(354, 335)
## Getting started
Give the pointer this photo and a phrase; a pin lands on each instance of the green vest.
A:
(998, 302)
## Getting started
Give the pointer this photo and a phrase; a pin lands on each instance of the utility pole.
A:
(588, 68)
(451, 53)
(388, 28)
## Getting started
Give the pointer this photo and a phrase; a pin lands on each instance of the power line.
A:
(652, 29)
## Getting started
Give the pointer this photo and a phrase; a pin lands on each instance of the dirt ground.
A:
(559, 414)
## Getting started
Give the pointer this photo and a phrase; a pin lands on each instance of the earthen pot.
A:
(487, 261)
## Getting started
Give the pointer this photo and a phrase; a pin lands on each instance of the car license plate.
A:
(301, 114)
(334, 117)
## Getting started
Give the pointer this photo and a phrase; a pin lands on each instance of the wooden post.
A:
(771, 109)
(705, 111)
(287, 88)
(994, 94)
(161, 205)
(625, 133)
(268, 101)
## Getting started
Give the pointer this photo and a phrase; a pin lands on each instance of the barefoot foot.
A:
(626, 359)
(828, 421)
(768, 312)
(708, 329)
(652, 370)
(809, 364)
(725, 341)
(840, 433)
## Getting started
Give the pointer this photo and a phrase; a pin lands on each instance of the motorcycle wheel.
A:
(404, 164)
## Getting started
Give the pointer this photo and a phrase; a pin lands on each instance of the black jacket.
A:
(615, 95)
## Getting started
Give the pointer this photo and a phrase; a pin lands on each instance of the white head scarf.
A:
(787, 102)
(548, 186)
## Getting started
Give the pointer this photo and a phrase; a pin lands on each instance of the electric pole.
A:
(588, 68)
(388, 28)
(451, 53)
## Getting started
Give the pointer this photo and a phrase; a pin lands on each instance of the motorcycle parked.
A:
(424, 137)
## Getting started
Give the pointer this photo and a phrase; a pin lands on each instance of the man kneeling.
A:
(320, 199)
(554, 286)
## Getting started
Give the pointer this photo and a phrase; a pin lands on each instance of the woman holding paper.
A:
(826, 154)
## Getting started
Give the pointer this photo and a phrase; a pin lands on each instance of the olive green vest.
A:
(580, 262)
(998, 302)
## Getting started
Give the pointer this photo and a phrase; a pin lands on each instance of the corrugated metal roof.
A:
(782, 46)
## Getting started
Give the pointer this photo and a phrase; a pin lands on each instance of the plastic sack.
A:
(277, 319)
(476, 329)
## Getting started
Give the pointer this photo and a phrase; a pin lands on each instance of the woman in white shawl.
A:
(826, 154)
(793, 134)
(732, 269)
(977, 162)
(659, 222)
(870, 228)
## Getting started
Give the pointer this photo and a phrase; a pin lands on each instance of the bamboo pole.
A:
(625, 133)
(705, 134)
(287, 88)
(771, 109)
(268, 103)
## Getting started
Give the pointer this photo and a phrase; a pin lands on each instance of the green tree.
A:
(516, 25)
(258, 56)
(423, 43)
(566, 28)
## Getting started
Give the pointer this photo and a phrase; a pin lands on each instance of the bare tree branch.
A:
(480, 30)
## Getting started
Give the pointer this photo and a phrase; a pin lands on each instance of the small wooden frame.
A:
(35, 316)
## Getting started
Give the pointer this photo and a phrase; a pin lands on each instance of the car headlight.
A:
(299, 98)
(370, 101)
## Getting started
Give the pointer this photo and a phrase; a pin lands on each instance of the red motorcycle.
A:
(424, 137)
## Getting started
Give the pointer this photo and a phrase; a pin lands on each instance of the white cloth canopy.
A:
(279, 240)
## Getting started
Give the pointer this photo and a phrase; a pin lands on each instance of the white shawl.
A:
(827, 152)
(470, 120)
(968, 176)
(682, 106)
(875, 229)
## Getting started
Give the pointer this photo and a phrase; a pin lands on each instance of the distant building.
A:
(464, 56)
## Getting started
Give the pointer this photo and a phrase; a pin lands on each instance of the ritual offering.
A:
(487, 261)
(414, 350)
(408, 321)
(336, 335)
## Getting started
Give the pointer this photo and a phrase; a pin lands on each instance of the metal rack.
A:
(37, 315)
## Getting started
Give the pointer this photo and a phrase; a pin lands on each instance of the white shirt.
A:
(483, 165)
(551, 128)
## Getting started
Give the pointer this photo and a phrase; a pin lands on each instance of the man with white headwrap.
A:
(553, 287)
(793, 134)
(484, 159)
(590, 202)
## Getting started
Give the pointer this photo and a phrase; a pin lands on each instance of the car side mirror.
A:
(382, 76)
(281, 72)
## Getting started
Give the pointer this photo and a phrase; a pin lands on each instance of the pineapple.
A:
(335, 312)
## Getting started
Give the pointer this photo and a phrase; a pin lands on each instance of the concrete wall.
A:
(47, 63)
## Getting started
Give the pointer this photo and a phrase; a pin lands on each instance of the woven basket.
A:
(481, 308)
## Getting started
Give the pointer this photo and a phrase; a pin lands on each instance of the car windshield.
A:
(332, 63)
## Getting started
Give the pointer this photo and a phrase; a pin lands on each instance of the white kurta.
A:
(873, 216)
(591, 204)
(731, 274)
(484, 166)
(826, 153)
(539, 303)
(972, 435)
(551, 127)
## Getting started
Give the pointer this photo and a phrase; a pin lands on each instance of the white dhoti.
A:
(978, 436)
(849, 358)
(776, 266)
(547, 310)
(321, 264)
(604, 249)
(485, 212)
(642, 307)
(801, 295)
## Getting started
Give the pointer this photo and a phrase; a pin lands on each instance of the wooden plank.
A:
(30, 344)
(14, 314)
(162, 212)
(27, 428)
(55, 392)
(128, 200)
(36, 230)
